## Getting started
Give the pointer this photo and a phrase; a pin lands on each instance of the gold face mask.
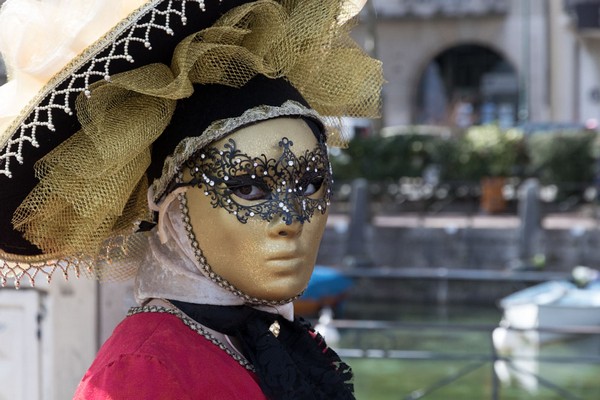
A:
(258, 206)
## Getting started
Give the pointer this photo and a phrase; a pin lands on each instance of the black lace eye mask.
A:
(290, 186)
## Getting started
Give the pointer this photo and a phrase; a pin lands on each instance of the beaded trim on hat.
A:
(14, 272)
(61, 100)
(213, 276)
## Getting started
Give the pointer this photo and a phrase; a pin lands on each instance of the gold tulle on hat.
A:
(92, 191)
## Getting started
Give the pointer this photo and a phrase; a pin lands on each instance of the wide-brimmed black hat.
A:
(85, 135)
(50, 120)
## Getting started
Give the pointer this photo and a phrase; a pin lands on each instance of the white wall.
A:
(590, 78)
(69, 334)
(575, 69)
(20, 359)
(49, 337)
(564, 70)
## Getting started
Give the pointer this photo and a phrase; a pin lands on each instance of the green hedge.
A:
(563, 157)
(556, 157)
(381, 159)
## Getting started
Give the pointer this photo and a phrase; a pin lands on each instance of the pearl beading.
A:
(129, 32)
(196, 327)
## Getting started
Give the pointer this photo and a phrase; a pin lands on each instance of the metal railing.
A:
(477, 360)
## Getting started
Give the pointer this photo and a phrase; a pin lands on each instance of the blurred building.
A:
(458, 62)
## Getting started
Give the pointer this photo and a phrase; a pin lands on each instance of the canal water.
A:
(445, 353)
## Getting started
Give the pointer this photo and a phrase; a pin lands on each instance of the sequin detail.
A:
(221, 128)
(262, 187)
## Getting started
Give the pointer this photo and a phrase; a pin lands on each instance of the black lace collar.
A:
(295, 365)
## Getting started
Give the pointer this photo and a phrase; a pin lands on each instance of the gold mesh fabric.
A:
(92, 189)
(90, 186)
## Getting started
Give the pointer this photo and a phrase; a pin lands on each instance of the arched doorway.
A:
(467, 84)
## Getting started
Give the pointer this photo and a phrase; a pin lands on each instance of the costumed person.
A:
(186, 146)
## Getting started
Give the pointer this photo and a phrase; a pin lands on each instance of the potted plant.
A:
(490, 155)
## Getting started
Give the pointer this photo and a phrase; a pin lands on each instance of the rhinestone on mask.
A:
(218, 173)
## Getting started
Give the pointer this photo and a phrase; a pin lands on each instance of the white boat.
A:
(548, 312)
(554, 310)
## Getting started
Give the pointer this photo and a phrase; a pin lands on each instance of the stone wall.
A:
(420, 248)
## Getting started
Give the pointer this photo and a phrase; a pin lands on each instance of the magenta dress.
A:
(156, 356)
